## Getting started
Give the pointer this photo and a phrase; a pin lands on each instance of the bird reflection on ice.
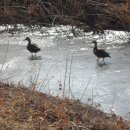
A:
(102, 63)
(35, 58)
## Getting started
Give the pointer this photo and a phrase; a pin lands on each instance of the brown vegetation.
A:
(25, 109)
(89, 15)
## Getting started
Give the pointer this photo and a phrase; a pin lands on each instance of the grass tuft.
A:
(25, 109)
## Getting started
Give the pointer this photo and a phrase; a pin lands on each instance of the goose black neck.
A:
(95, 48)
(29, 41)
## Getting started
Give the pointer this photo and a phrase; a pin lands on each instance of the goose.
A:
(33, 48)
(100, 53)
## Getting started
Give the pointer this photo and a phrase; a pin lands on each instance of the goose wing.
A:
(35, 46)
(102, 53)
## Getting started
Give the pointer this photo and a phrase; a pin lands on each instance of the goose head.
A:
(95, 47)
(27, 39)
(95, 42)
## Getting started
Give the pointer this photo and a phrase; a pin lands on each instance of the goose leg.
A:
(31, 54)
(35, 54)
(98, 59)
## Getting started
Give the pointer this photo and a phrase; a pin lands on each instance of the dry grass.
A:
(90, 15)
(25, 109)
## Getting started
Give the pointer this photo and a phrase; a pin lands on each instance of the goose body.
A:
(100, 53)
(33, 48)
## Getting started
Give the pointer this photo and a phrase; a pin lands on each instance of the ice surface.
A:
(106, 82)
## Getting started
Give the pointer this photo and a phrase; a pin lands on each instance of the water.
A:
(71, 65)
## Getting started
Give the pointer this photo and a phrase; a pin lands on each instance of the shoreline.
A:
(27, 109)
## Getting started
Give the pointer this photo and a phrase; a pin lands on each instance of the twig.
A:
(66, 69)
(4, 57)
(75, 125)
(86, 88)
(45, 78)
(70, 74)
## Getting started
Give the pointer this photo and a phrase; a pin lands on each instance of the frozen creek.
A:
(71, 65)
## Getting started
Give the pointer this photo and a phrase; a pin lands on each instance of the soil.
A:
(26, 109)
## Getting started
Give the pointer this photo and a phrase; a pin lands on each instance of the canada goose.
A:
(33, 48)
(100, 53)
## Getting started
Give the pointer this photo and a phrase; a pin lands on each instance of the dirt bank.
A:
(25, 109)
